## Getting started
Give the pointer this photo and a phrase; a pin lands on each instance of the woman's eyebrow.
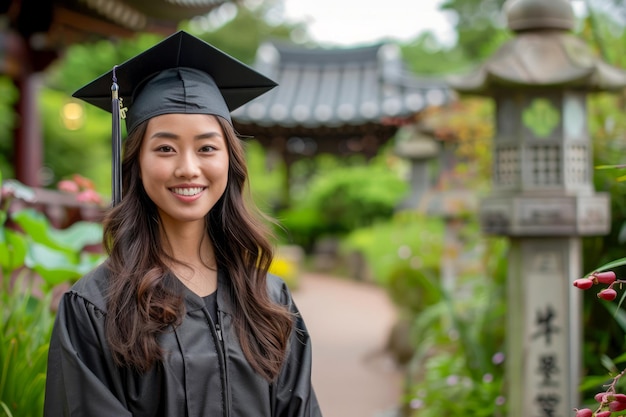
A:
(208, 135)
(170, 135)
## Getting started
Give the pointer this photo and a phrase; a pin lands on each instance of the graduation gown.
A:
(204, 372)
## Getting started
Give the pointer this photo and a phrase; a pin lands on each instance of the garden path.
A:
(349, 323)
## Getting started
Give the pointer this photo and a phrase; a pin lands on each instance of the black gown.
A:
(203, 374)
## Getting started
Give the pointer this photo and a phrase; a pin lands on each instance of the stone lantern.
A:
(418, 148)
(542, 196)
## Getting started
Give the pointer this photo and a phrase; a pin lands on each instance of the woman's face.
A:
(184, 165)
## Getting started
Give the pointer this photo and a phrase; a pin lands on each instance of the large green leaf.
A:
(72, 239)
(54, 266)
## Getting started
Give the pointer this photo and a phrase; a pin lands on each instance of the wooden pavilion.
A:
(340, 101)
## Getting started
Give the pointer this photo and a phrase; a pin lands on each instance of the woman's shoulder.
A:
(277, 289)
(92, 287)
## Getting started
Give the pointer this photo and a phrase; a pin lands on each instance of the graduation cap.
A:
(181, 74)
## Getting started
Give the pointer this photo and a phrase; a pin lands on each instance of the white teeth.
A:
(187, 191)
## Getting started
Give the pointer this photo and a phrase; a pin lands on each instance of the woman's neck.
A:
(190, 245)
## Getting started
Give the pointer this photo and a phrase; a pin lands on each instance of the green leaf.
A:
(5, 409)
(608, 364)
(72, 239)
(618, 314)
(54, 266)
(612, 264)
(620, 166)
(78, 235)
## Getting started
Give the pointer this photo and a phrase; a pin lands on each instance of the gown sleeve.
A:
(295, 396)
(82, 379)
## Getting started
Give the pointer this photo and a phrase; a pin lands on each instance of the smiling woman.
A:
(183, 318)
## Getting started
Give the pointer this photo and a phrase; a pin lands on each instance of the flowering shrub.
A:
(609, 401)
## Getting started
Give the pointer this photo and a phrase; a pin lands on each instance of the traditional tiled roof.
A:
(326, 88)
(137, 14)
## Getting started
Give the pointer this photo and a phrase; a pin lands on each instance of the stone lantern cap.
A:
(542, 54)
(524, 15)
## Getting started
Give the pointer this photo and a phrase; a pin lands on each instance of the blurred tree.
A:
(425, 55)
(480, 26)
(242, 35)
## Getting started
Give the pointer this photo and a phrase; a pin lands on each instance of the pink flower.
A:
(68, 186)
(89, 196)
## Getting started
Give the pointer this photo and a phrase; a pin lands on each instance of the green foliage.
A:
(30, 250)
(57, 255)
(241, 36)
(24, 338)
(267, 183)
(457, 327)
(28, 240)
(479, 26)
(341, 199)
(82, 63)
(603, 334)
(425, 56)
(403, 251)
(458, 345)
(84, 148)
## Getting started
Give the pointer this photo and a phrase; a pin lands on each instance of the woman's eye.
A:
(165, 148)
(207, 148)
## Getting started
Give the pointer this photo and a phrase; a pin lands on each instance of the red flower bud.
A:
(600, 397)
(620, 397)
(583, 283)
(607, 277)
(607, 294)
(617, 406)
(604, 414)
(584, 412)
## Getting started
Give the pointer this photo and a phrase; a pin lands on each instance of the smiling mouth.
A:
(187, 191)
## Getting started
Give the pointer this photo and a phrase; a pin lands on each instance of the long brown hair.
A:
(143, 298)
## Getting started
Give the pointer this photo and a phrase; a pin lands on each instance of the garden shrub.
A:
(342, 199)
(406, 241)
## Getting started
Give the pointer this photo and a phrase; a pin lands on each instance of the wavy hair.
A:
(144, 298)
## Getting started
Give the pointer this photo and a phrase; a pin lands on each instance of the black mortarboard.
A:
(181, 74)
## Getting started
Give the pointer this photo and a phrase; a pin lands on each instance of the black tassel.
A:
(116, 180)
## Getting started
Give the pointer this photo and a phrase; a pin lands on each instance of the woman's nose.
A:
(187, 166)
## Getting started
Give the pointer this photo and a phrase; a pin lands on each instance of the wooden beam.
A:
(90, 25)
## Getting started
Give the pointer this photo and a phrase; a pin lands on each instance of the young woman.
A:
(183, 318)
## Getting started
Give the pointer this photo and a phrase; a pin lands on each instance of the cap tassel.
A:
(116, 181)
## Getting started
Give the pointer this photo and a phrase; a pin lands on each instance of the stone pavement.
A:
(349, 323)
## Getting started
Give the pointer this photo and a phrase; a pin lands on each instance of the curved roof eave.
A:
(338, 87)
